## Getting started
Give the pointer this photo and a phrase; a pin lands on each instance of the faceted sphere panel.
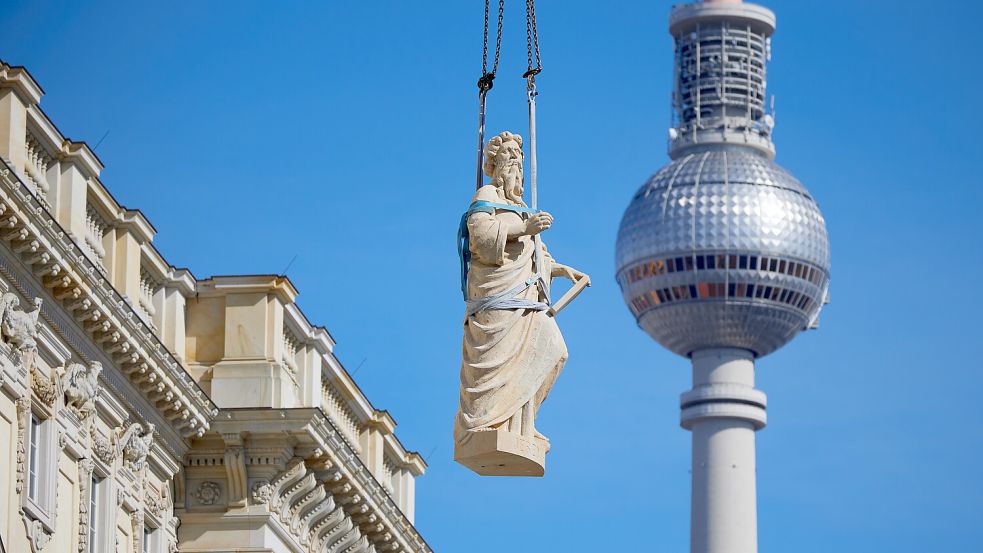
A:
(723, 248)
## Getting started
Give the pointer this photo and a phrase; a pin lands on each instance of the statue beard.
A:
(510, 180)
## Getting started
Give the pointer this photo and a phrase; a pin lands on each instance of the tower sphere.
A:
(723, 248)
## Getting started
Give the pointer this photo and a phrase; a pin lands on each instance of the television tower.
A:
(722, 256)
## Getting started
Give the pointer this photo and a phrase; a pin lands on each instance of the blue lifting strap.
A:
(463, 238)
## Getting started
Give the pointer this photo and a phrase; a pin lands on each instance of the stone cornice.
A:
(333, 374)
(278, 285)
(410, 460)
(63, 148)
(134, 221)
(18, 78)
(379, 517)
(81, 286)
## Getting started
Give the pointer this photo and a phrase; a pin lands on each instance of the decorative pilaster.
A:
(235, 467)
(85, 466)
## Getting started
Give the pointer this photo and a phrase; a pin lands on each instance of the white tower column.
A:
(723, 411)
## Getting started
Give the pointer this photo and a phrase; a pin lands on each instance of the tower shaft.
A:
(723, 410)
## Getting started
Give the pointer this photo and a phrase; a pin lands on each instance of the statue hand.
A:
(568, 272)
(538, 223)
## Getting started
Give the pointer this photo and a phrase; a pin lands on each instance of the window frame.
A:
(150, 541)
(41, 452)
(102, 507)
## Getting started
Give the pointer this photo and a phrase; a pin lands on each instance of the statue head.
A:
(11, 300)
(503, 163)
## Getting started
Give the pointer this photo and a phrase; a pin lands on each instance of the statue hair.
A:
(494, 146)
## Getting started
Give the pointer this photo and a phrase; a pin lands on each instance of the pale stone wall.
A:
(139, 489)
(219, 408)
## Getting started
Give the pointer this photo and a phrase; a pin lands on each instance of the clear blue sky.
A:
(343, 133)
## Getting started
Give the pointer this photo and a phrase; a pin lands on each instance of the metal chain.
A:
(486, 81)
(487, 77)
(532, 40)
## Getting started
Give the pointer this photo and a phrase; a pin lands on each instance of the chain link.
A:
(487, 78)
(532, 40)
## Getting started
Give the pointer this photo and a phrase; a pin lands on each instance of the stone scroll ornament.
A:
(513, 350)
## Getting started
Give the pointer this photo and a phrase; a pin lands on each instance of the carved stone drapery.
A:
(234, 460)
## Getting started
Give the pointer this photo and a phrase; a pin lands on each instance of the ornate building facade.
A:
(144, 410)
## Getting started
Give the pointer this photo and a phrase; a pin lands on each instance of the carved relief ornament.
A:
(44, 388)
(81, 386)
(134, 445)
(103, 448)
(208, 493)
(18, 328)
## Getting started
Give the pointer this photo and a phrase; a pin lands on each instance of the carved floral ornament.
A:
(207, 493)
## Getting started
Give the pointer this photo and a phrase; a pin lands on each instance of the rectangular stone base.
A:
(502, 453)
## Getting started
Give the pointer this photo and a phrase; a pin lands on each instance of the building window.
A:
(34, 459)
(149, 539)
(95, 514)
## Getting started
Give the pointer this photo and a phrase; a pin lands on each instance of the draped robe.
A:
(511, 356)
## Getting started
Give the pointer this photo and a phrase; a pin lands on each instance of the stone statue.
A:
(81, 385)
(17, 327)
(135, 447)
(513, 350)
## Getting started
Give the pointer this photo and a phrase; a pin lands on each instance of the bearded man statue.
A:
(513, 350)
